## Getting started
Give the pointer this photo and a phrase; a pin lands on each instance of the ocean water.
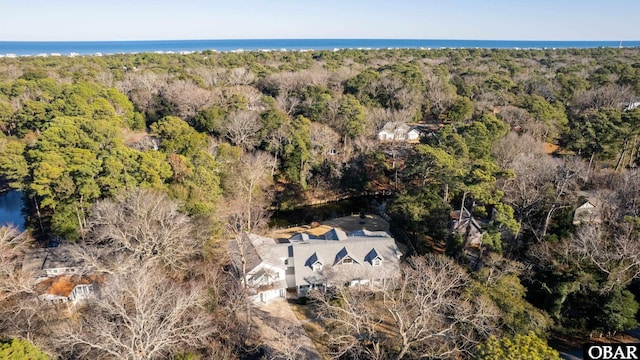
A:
(35, 48)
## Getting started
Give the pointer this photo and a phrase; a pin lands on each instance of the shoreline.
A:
(15, 49)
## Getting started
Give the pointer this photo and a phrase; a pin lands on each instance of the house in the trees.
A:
(464, 224)
(68, 288)
(632, 105)
(50, 262)
(305, 261)
(58, 275)
(397, 131)
(470, 230)
(587, 213)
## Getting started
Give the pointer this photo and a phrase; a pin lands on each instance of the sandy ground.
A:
(281, 329)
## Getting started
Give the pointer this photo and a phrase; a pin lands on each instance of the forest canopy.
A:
(512, 142)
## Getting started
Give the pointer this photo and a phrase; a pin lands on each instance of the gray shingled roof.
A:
(329, 250)
(393, 127)
(358, 248)
(49, 258)
(335, 234)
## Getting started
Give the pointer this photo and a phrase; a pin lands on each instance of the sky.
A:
(80, 20)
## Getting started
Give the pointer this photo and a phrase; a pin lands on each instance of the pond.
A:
(370, 204)
(11, 203)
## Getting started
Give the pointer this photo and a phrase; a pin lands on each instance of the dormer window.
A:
(343, 257)
(374, 258)
(314, 262)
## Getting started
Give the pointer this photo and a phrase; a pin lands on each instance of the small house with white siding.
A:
(397, 131)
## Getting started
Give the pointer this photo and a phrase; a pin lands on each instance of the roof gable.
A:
(372, 255)
(343, 256)
(335, 234)
(313, 259)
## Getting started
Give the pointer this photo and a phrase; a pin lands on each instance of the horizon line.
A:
(316, 38)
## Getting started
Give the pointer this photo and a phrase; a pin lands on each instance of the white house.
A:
(394, 131)
(306, 261)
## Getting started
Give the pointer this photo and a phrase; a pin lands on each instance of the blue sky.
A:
(27, 20)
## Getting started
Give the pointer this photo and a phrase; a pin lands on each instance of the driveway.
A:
(282, 332)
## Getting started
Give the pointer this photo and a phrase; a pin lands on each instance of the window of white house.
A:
(377, 262)
(347, 260)
(317, 267)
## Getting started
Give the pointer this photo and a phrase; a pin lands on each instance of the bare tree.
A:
(141, 226)
(13, 246)
(519, 118)
(242, 128)
(140, 315)
(353, 326)
(213, 77)
(142, 88)
(513, 146)
(439, 92)
(287, 345)
(542, 185)
(251, 178)
(566, 180)
(287, 103)
(19, 314)
(250, 93)
(323, 139)
(187, 97)
(431, 317)
(105, 78)
(424, 309)
(612, 96)
(245, 213)
(240, 76)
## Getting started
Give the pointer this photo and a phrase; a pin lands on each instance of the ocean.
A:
(67, 48)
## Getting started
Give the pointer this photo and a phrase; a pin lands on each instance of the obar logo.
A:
(610, 351)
